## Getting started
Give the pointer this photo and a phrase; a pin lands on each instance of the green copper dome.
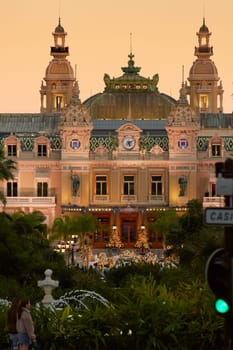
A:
(130, 96)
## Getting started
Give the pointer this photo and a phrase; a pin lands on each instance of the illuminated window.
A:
(101, 184)
(203, 101)
(216, 150)
(128, 185)
(102, 229)
(203, 41)
(58, 103)
(129, 229)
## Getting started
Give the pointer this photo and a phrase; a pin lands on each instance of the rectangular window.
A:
(156, 185)
(12, 150)
(12, 189)
(42, 189)
(128, 185)
(42, 151)
(101, 184)
(216, 150)
(203, 101)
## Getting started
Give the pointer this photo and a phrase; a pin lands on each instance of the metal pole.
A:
(72, 255)
(228, 232)
(228, 237)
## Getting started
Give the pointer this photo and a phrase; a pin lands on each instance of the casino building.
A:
(122, 153)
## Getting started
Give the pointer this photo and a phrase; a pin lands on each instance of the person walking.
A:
(11, 323)
(25, 326)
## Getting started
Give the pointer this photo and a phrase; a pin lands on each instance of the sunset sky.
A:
(98, 36)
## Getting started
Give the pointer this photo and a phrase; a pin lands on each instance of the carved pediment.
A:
(101, 150)
(128, 128)
(11, 139)
(156, 150)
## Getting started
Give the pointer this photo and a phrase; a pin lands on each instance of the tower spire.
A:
(59, 74)
(130, 43)
(183, 74)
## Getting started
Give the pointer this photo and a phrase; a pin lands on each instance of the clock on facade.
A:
(128, 142)
(75, 143)
(183, 143)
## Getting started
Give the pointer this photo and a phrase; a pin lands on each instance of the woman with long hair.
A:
(25, 326)
(11, 323)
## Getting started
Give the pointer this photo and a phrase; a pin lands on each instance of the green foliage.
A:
(192, 241)
(25, 254)
(152, 308)
(120, 276)
(145, 315)
(7, 166)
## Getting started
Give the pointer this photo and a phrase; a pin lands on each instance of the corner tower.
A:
(205, 90)
(56, 87)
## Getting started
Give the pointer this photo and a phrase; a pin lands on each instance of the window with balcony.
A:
(12, 189)
(42, 189)
(12, 150)
(156, 185)
(101, 185)
(128, 186)
(42, 151)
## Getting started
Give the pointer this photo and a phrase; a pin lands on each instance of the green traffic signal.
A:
(221, 306)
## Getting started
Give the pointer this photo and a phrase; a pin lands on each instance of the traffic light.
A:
(219, 278)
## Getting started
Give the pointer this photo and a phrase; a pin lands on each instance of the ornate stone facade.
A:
(120, 154)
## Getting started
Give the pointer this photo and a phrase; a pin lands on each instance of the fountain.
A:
(77, 298)
(80, 298)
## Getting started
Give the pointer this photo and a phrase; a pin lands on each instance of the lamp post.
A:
(67, 248)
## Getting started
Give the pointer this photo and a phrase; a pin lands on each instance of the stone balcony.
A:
(218, 202)
(31, 202)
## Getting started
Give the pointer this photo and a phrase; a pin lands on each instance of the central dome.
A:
(130, 96)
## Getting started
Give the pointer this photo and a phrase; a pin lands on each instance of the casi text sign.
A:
(219, 216)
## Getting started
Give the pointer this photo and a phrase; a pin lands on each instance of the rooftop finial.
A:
(204, 9)
(183, 97)
(75, 72)
(59, 8)
(130, 42)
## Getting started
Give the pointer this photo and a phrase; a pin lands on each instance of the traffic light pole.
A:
(228, 238)
(228, 235)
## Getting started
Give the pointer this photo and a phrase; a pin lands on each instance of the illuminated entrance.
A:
(128, 229)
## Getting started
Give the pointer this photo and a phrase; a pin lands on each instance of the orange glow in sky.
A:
(98, 36)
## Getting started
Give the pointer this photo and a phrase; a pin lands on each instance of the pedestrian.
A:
(11, 323)
(25, 326)
(106, 271)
